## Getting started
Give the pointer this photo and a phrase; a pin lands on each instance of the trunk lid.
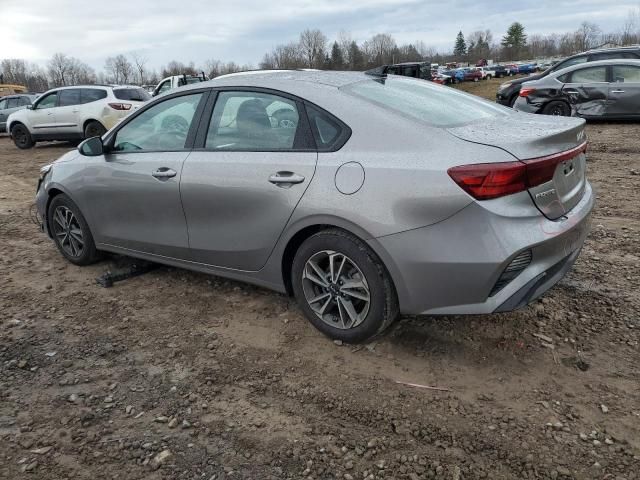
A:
(550, 146)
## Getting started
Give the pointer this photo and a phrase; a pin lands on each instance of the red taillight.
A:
(525, 92)
(120, 106)
(541, 170)
(484, 181)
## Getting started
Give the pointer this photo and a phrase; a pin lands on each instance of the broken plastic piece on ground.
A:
(139, 267)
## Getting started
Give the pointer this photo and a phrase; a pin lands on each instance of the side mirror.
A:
(29, 107)
(91, 147)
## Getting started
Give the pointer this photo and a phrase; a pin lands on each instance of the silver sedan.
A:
(364, 196)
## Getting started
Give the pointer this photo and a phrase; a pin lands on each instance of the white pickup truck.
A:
(487, 72)
(176, 81)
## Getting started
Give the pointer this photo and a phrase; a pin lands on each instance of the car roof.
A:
(18, 95)
(597, 63)
(611, 49)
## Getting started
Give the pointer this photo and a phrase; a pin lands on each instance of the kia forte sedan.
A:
(364, 196)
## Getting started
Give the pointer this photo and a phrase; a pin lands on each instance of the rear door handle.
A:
(617, 91)
(164, 172)
(285, 179)
(575, 92)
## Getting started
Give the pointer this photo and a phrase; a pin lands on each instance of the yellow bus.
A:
(8, 89)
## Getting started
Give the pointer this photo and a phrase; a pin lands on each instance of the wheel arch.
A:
(88, 121)
(299, 233)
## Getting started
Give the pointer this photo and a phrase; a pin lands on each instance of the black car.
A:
(509, 91)
(501, 71)
(407, 69)
(603, 89)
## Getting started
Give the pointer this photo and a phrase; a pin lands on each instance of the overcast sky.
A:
(243, 30)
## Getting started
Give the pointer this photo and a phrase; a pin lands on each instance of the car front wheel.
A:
(342, 287)
(70, 231)
(94, 129)
(22, 137)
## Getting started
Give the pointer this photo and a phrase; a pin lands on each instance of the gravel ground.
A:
(178, 375)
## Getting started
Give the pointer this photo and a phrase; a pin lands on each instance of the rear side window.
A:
(133, 94)
(329, 133)
(13, 103)
(69, 97)
(425, 101)
(589, 75)
(93, 94)
(626, 74)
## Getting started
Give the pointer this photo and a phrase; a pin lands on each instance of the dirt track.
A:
(91, 379)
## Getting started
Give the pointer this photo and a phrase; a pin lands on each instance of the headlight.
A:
(44, 170)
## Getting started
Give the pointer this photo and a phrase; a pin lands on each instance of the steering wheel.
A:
(175, 124)
(285, 118)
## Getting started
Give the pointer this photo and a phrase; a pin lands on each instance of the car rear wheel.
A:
(70, 231)
(557, 108)
(22, 137)
(342, 287)
(94, 129)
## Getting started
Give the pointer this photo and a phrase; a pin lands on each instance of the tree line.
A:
(313, 49)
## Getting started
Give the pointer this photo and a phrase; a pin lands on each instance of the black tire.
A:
(87, 254)
(512, 100)
(94, 129)
(488, 77)
(557, 108)
(383, 306)
(21, 137)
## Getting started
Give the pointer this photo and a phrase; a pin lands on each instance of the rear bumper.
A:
(522, 105)
(452, 267)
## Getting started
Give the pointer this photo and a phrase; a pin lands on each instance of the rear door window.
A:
(589, 75)
(69, 97)
(93, 94)
(626, 74)
(3, 104)
(13, 103)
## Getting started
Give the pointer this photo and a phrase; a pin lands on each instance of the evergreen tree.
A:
(356, 58)
(337, 58)
(515, 41)
(460, 49)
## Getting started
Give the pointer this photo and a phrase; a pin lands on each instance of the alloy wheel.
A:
(68, 232)
(336, 289)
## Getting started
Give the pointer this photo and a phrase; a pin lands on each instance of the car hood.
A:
(71, 155)
(525, 135)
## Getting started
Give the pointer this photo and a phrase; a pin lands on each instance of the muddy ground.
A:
(178, 375)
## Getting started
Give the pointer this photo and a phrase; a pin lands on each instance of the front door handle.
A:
(164, 172)
(285, 179)
(617, 91)
(574, 92)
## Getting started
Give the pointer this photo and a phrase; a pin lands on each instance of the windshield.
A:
(133, 94)
(425, 101)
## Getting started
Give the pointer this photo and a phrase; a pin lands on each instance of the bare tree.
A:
(66, 70)
(313, 44)
(20, 72)
(284, 56)
(175, 67)
(139, 62)
(119, 69)
(587, 36)
(379, 49)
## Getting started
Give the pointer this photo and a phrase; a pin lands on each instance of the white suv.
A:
(74, 113)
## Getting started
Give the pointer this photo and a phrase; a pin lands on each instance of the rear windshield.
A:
(425, 101)
(133, 94)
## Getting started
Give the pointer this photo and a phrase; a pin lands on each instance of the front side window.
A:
(626, 74)
(425, 101)
(590, 75)
(48, 102)
(164, 87)
(25, 101)
(93, 94)
(252, 121)
(163, 127)
(69, 97)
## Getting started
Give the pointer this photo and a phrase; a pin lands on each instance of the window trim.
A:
(607, 73)
(303, 142)
(193, 128)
